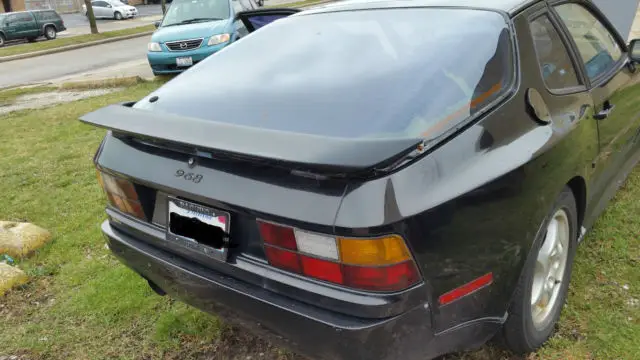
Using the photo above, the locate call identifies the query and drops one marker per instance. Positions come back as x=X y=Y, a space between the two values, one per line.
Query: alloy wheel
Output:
x=550 y=269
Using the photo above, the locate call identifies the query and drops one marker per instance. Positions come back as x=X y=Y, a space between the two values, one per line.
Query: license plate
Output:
x=197 y=227
x=184 y=61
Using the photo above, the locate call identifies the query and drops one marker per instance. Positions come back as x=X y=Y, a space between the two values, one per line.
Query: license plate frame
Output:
x=184 y=61
x=204 y=214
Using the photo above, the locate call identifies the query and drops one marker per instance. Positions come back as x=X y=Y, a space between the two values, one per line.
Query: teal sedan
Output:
x=191 y=30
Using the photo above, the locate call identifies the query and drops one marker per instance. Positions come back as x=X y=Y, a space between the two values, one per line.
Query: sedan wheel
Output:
x=117 y=16
x=544 y=283
x=1 y=40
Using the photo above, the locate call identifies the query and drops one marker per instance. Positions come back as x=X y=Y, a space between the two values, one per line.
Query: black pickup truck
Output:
x=30 y=25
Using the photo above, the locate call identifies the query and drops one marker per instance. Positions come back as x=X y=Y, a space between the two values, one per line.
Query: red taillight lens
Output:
x=322 y=269
x=381 y=264
x=386 y=278
x=278 y=235
x=121 y=194
x=283 y=259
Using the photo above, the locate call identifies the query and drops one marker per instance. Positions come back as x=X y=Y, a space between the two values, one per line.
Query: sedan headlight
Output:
x=154 y=46
x=218 y=39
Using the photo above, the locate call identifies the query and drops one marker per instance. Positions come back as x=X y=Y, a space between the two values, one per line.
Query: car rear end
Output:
x=223 y=197
x=245 y=255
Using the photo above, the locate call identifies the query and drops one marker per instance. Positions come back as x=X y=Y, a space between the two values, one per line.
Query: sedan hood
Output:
x=190 y=31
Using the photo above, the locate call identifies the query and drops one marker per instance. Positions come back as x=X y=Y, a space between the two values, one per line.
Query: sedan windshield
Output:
x=376 y=73
x=117 y=3
x=191 y=11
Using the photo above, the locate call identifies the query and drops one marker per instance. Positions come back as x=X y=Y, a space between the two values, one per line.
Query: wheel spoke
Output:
x=550 y=266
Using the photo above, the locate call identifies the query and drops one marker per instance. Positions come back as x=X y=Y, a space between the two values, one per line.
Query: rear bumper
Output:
x=316 y=332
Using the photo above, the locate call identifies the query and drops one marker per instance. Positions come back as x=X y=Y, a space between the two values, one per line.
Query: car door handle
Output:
x=604 y=113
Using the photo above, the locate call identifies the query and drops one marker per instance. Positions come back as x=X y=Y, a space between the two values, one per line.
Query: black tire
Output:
x=1 y=40
x=519 y=334
x=50 y=32
x=117 y=15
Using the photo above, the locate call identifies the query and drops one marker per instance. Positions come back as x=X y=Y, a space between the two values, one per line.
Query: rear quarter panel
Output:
x=476 y=203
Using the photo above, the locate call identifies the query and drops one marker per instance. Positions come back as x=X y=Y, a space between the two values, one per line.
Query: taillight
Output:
x=379 y=264
x=121 y=194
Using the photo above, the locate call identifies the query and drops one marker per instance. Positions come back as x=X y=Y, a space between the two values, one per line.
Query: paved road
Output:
x=49 y=67
x=121 y=58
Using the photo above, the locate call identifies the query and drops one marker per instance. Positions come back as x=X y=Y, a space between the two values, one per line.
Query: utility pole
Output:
x=92 y=18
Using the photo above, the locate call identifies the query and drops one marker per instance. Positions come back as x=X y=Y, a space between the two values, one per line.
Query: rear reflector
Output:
x=380 y=264
x=466 y=289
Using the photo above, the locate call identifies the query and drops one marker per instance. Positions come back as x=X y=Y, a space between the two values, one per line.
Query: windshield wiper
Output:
x=198 y=20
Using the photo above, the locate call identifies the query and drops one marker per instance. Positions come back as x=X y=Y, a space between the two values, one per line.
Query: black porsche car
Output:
x=381 y=182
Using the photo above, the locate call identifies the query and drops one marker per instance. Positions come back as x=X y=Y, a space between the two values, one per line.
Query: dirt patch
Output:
x=40 y=100
x=234 y=344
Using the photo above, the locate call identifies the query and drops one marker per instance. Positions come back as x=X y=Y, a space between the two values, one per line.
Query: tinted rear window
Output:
x=375 y=73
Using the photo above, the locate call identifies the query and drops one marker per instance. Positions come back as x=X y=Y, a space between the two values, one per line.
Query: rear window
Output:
x=415 y=72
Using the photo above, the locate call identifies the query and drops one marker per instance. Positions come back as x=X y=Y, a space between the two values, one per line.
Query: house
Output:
x=12 y=5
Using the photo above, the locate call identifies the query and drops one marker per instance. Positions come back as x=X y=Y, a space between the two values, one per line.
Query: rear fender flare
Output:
x=44 y=26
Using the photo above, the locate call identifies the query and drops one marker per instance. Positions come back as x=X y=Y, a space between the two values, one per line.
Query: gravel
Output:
x=35 y=101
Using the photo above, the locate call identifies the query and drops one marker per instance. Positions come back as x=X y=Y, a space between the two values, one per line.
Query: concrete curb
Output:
x=72 y=47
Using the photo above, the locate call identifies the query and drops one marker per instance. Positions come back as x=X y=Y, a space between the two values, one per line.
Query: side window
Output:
x=100 y=4
x=597 y=46
x=20 y=18
x=555 y=63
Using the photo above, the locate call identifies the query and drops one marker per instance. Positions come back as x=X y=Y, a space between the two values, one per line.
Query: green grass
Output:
x=83 y=304
x=51 y=44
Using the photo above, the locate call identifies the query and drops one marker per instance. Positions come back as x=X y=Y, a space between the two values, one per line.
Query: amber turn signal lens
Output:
x=387 y=250
x=121 y=194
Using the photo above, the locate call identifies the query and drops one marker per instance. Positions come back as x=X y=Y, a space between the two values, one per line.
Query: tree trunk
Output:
x=163 y=4
x=92 y=18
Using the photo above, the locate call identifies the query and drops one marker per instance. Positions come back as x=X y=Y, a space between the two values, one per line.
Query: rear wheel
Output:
x=544 y=284
x=117 y=15
x=50 y=33
x=1 y=40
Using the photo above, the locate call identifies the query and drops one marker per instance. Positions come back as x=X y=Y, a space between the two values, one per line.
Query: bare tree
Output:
x=91 y=16
x=163 y=4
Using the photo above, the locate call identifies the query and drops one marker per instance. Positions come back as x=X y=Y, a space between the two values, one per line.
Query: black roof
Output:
x=508 y=6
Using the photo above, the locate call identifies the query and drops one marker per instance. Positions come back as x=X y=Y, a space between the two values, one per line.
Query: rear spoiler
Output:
x=308 y=151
